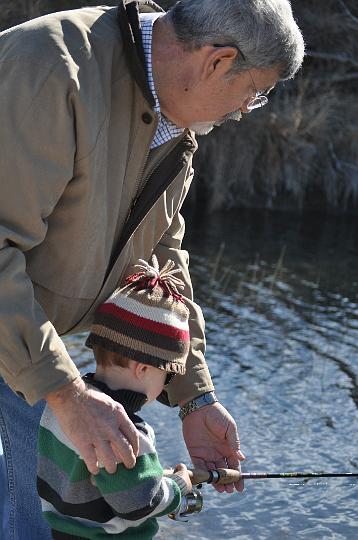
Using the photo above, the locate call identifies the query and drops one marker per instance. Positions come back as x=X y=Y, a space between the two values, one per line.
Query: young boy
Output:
x=140 y=339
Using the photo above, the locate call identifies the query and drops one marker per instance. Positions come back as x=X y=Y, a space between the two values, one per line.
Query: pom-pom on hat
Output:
x=147 y=319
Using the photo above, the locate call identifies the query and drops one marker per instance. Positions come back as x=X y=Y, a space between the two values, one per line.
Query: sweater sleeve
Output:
x=197 y=379
x=142 y=492
x=37 y=141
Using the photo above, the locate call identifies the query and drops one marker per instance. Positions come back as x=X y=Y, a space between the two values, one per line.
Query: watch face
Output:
x=206 y=399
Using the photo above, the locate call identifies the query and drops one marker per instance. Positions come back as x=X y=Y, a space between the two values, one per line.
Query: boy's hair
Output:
x=106 y=358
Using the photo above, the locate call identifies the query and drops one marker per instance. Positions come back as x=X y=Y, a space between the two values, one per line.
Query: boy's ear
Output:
x=140 y=370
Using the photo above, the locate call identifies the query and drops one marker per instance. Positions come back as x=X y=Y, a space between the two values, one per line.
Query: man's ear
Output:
x=218 y=61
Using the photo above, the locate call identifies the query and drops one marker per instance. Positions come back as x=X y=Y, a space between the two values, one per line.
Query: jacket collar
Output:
x=132 y=401
x=128 y=20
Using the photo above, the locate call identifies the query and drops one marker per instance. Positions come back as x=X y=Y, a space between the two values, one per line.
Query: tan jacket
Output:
x=81 y=195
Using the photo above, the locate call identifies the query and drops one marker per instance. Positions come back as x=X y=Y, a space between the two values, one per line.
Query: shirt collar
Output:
x=166 y=130
x=147 y=21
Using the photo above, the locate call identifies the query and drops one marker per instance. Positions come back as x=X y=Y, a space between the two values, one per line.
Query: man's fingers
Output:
x=211 y=465
x=219 y=440
x=234 y=460
x=234 y=463
x=236 y=453
x=239 y=486
x=106 y=456
x=233 y=439
x=129 y=431
x=98 y=426
x=199 y=463
x=120 y=442
x=89 y=456
x=124 y=451
x=229 y=488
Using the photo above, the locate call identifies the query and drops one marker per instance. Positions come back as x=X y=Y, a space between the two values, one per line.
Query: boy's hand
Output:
x=182 y=471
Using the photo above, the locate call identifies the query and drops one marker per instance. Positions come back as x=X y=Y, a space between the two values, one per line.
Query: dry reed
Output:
x=302 y=149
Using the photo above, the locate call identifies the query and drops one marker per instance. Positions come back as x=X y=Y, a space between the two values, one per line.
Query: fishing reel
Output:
x=192 y=503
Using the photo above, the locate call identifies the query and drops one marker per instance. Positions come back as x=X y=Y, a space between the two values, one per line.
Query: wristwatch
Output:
x=206 y=399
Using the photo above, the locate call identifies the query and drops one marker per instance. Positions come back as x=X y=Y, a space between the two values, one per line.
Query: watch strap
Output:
x=206 y=399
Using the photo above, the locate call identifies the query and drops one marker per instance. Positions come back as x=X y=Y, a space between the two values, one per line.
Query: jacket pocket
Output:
x=63 y=312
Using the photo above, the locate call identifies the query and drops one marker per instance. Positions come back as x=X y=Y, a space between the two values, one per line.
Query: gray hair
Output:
x=264 y=31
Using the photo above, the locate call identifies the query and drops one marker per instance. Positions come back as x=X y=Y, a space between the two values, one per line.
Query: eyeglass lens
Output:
x=256 y=102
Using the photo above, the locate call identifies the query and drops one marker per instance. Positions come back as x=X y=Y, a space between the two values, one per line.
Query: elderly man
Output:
x=99 y=107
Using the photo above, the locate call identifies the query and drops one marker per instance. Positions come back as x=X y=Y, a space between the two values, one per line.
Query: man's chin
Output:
x=202 y=128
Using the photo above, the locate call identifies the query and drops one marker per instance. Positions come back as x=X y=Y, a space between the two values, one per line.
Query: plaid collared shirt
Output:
x=166 y=130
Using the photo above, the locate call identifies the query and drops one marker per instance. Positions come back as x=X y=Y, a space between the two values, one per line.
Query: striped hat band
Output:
x=147 y=325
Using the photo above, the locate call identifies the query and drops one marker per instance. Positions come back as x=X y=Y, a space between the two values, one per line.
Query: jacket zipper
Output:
x=143 y=180
x=130 y=228
x=140 y=184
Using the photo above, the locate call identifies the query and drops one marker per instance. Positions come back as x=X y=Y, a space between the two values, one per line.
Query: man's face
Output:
x=227 y=98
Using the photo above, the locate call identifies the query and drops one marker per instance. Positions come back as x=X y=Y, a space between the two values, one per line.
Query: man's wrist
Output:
x=72 y=389
x=209 y=398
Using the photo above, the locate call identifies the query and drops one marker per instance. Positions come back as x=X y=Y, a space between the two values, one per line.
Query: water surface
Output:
x=279 y=294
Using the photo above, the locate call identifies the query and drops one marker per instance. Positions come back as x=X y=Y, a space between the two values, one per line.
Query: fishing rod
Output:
x=194 y=502
x=228 y=476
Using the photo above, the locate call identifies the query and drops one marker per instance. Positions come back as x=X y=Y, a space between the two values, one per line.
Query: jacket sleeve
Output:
x=142 y=492
x=37 y=149
x=197 y=379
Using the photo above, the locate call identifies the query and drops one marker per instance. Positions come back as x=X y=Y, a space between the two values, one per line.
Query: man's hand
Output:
x=97 y=425
x=212 y=441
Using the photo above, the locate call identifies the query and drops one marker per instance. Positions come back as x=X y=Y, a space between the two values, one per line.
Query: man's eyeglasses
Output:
x=260 y=99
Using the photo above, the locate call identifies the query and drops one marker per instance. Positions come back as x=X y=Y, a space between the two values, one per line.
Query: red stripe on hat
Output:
x=146 y=324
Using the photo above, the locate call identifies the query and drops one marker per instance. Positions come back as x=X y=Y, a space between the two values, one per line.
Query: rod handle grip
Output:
x=219 y=476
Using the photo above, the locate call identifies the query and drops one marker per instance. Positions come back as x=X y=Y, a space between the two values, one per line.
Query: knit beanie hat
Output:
x=147 y=319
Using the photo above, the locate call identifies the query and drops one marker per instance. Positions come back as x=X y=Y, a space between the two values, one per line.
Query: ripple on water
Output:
x=283 y=354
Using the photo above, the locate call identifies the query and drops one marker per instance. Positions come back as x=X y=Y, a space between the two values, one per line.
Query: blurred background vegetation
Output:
x=301 y=150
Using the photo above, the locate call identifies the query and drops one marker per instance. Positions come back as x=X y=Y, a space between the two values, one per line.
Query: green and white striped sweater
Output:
x=123 y=505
